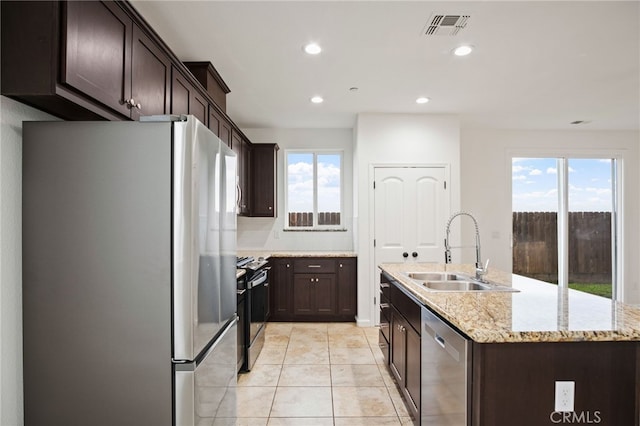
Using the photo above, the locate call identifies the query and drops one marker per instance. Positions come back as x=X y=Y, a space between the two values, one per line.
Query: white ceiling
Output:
x=536 y=64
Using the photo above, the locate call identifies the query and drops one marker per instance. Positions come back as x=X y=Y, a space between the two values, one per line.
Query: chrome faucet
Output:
x=481 y=270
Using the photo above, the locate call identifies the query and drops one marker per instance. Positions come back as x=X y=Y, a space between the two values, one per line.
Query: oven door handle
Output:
x=261 y=278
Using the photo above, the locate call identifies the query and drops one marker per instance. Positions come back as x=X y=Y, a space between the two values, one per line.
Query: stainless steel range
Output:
x=256 y=306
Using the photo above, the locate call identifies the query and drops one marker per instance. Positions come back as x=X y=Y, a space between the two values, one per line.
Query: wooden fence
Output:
x=306 y=218
x=535 y=246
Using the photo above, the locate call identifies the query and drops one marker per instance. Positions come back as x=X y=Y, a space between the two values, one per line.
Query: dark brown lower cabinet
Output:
x=404 y=360
x=514 y=383
x=314 y=294
x=313 y=289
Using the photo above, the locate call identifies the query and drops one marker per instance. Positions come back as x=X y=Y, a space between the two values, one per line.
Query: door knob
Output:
x=405 y=254
x=414 y=254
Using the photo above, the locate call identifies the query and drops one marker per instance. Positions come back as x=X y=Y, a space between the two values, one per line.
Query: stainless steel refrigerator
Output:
x=129 y=274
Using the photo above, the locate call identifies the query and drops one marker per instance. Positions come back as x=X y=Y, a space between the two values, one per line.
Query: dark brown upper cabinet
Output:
x=219 y=125
x=109 y=58
x=263 y=180
x=242 y=148
x=185 y=99
x=96 y=58
x=83 y=60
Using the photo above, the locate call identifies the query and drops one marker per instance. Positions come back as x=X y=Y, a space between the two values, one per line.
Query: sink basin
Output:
x=453 y=281
x=436 y=276
x=456 y=285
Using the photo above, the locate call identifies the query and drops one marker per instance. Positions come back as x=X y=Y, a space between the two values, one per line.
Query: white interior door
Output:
x=410 y=211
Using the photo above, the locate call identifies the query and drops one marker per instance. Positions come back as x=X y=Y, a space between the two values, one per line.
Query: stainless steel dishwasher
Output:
x=446 y=357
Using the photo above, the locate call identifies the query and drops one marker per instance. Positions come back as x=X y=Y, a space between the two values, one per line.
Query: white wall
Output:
x=486 y=184
x=396 y=139
x=267 y=233
x=11 y=116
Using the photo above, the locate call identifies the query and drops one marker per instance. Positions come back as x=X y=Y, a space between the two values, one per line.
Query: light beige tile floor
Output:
x=317 y=374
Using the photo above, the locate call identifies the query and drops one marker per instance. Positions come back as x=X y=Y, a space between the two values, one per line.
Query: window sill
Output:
x=314 y=230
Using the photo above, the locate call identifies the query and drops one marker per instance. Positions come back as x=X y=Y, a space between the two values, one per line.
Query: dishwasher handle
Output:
x=439 y=340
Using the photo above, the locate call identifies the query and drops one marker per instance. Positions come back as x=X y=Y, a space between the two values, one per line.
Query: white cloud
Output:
x=535 y=172
x=519 y=177
x=552 y=171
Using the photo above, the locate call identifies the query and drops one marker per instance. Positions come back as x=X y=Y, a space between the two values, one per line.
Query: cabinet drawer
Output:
x=407 y=307
x=385 y=308
x=314 y=265
x=384 y=286
x=385 y=323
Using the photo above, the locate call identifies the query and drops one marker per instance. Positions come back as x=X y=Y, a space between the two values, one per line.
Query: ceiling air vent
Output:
x=445 y=25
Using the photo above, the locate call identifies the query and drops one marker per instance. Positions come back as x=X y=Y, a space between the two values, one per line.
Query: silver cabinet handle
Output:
x=314 y=266
x=241 y=292
x=384 y=285
x=131 y=103
x=384 y=305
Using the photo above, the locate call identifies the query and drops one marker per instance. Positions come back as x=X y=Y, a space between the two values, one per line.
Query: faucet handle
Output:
x=481 y=270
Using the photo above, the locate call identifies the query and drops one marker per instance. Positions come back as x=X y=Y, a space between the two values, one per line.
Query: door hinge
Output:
x=374 y=300
x=445 y=184
x=374 y=184
x=374 y=242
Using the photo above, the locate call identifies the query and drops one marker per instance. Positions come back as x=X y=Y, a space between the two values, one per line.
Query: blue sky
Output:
x=535 y=182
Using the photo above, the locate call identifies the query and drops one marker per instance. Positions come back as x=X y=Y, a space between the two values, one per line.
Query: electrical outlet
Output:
x=564 y=396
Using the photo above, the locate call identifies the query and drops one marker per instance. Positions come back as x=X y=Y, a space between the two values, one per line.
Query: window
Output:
x=314 y=190
x=564 y=222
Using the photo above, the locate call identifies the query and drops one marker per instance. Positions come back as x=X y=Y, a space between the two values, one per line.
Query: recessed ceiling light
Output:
x=312 y=48
x=422 y=100
x=462 y=50
x=317 y=99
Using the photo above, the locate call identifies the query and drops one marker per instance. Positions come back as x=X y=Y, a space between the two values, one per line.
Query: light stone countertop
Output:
x=267 y=254
x=539 y=312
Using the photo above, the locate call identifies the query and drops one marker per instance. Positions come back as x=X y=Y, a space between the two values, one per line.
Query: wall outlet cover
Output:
x=565 y=392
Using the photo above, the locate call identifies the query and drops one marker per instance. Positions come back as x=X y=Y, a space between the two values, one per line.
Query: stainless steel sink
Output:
x=456 y=286
x=454 y=281
x=433 y=276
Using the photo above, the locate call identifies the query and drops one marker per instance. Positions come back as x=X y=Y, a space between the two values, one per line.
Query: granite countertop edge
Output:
x=479 y=315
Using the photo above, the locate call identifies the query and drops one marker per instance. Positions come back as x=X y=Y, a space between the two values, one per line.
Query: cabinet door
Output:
x=180 y=93
x=185 y=98
x=150 y=71
x=240 y=148
x=263 y=180
x=282 y=277
x=324 y=290
x=347 y=286
x=398 y=347
x=413 y=375
x=303 y=294
x=219 y=125
x=98 y=52
x=199 y=107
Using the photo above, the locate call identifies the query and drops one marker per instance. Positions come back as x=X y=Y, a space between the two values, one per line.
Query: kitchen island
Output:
x=519 y=345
